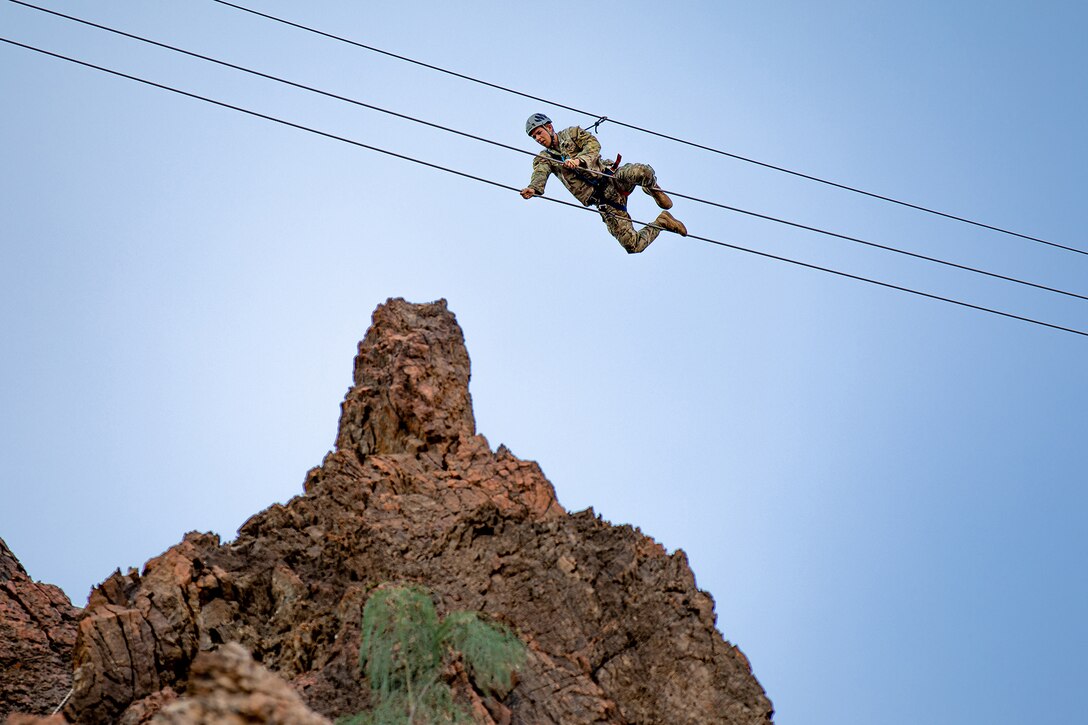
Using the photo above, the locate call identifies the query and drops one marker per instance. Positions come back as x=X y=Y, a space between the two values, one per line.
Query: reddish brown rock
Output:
x=37 y=633
x=25 y=719
x=227 y=687
x=617 y=630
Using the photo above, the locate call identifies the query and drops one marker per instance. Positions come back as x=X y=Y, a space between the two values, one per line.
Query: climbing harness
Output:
x=601 y=183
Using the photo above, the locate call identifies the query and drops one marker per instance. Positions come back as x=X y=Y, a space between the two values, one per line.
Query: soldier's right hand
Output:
x=528 y=193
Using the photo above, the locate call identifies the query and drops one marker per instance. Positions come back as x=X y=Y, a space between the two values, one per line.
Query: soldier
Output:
x=573 y=153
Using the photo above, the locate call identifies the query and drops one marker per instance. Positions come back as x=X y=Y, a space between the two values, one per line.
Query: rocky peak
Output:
x=411 y=384
x=37 y=632
x=617 y=631
x=9 y=565
x=409 y=413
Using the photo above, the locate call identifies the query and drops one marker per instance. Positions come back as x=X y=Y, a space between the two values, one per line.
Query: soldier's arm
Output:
x=541 y=170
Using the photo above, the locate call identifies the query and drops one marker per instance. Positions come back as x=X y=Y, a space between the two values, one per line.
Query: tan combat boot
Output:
x=659 y=196
x=670 y=223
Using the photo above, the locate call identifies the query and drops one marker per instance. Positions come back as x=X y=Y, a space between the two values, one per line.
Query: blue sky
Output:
x=883 y=493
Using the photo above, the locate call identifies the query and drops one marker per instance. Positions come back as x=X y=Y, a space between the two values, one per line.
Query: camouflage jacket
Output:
x=574 y=143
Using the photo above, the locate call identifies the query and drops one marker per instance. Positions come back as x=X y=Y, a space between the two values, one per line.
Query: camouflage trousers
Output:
x=616 y=218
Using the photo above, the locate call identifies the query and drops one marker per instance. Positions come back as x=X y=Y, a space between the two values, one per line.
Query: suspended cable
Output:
x=270 y=77
x=500 y=185
x=885 y=247
x=531 y=153
x=651 y=132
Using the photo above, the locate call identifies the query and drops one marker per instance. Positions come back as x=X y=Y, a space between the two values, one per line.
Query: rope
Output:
x=500 y=185
x=63 y=702
x=676 y=139
x=499 y=144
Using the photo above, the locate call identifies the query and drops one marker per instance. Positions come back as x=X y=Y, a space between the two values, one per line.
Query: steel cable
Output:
x=499 y=144
x=500 y=185
x=601 y=118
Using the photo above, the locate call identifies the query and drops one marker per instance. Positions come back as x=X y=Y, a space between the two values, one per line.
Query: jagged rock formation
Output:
x=37 y=633
x=617 y=630
x=227 y=687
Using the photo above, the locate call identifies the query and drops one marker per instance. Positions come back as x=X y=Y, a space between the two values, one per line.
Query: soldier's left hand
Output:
x=572 y=163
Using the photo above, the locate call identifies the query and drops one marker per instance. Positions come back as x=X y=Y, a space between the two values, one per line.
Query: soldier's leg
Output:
x=620 y=226
x=629 y=176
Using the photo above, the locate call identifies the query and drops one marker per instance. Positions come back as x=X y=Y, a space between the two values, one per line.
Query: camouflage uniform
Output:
x=609 y=194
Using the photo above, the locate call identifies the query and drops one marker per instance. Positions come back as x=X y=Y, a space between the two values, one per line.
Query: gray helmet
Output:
x=536 y=121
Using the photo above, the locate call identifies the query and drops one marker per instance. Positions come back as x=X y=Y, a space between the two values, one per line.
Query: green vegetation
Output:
x=406 y=650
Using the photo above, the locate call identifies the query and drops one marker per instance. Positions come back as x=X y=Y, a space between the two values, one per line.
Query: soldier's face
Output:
x=543 y=135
